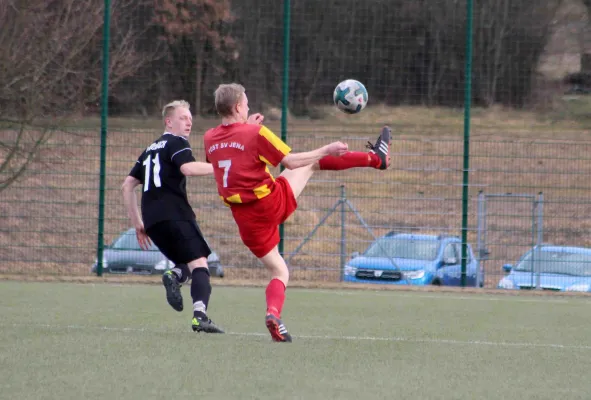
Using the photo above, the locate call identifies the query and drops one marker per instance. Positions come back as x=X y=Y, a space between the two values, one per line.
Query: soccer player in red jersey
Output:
x=241 y=149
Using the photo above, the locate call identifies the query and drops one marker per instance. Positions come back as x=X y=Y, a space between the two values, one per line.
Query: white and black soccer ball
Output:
x=350 y=96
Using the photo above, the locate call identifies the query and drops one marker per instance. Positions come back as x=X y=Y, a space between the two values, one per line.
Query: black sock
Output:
x=182 y=273
x=200 y=291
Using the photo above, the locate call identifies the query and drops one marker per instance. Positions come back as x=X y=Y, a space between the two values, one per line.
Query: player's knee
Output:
x=281 y=273
x=198 y=263
x=282 y=276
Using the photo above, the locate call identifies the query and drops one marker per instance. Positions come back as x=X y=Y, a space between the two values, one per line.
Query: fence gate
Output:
x=508 y=225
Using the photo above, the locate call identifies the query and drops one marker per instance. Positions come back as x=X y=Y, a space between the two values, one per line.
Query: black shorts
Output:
x=180 y=241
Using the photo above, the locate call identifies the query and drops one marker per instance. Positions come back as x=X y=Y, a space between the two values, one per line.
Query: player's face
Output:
x=180 y=122
x=242 y=108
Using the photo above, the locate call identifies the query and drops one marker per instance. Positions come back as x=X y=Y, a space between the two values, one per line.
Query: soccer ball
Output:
x=350 y=96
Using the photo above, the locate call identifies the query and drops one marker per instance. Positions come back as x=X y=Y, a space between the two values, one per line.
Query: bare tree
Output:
x=50 y=67
x=194 y=30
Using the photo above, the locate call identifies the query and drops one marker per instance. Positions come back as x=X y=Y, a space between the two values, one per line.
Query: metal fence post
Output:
x=104 y=117
x=285 y=93
x=343 y=233
x=539 y=233
x=480 y=250
x=467 y=104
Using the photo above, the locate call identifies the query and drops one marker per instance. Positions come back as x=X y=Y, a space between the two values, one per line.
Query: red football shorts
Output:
x=258 y=222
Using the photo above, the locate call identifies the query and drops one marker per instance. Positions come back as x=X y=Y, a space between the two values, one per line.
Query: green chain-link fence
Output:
x=528 y=134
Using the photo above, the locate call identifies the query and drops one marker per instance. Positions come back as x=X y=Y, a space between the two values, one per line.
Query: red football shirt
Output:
x=240 y=154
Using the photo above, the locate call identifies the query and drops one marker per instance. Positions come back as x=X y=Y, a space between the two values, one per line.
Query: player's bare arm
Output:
x=197 y=168
x=130 y=200
x=298 y=160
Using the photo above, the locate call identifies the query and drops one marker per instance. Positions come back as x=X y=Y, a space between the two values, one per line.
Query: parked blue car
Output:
x=413 y=259
x=547 y=267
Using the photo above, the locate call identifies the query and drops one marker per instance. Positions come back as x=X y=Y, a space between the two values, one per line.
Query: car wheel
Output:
x=437 y=282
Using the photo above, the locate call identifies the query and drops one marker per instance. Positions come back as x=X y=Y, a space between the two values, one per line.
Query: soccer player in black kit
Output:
x=167 y=219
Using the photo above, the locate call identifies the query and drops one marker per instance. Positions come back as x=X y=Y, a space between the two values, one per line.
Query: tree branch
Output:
x=50 y=66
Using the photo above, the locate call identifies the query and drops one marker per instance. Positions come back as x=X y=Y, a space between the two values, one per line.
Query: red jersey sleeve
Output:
x=271 y=148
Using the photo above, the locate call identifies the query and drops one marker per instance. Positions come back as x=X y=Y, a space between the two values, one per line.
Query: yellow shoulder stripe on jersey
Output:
x=274 y=140
x=262 y=191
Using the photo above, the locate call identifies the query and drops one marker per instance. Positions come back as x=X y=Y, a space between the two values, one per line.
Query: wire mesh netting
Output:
x=529 y=125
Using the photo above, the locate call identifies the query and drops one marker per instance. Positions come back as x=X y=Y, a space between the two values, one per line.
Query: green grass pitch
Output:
x=101 y=341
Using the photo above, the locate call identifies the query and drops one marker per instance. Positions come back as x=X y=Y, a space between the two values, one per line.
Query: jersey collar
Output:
x=168 y=133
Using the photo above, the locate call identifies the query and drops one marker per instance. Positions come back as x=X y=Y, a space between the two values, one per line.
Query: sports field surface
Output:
x=105 y=341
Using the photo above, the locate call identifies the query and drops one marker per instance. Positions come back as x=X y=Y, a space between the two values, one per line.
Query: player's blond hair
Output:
x=168 y=109
x=227 y=95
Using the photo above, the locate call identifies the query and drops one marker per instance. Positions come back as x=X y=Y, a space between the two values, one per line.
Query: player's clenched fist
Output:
x=255 y=119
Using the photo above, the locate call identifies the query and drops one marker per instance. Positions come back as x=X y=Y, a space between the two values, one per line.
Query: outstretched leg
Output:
x=298 y=178
x=378 y=157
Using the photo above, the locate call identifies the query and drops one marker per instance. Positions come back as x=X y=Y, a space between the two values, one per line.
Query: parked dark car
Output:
x=124 y=256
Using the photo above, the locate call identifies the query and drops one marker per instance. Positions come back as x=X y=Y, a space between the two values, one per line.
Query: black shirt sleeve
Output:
x=136 y=171
x=180 y=152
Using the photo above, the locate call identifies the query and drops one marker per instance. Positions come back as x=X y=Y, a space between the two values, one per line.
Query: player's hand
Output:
x=255 y=119
x=142 y=238
x=337 y=149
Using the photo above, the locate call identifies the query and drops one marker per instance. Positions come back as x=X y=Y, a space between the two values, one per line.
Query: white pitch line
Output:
x=324 y=337
x=450 y=341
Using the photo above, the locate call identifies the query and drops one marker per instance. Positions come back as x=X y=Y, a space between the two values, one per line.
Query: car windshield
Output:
x=404 y=248
x=556 y=262
x=128 y=241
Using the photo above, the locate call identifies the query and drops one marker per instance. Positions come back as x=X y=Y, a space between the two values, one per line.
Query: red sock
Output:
x=348 y=160
x=275 y=297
